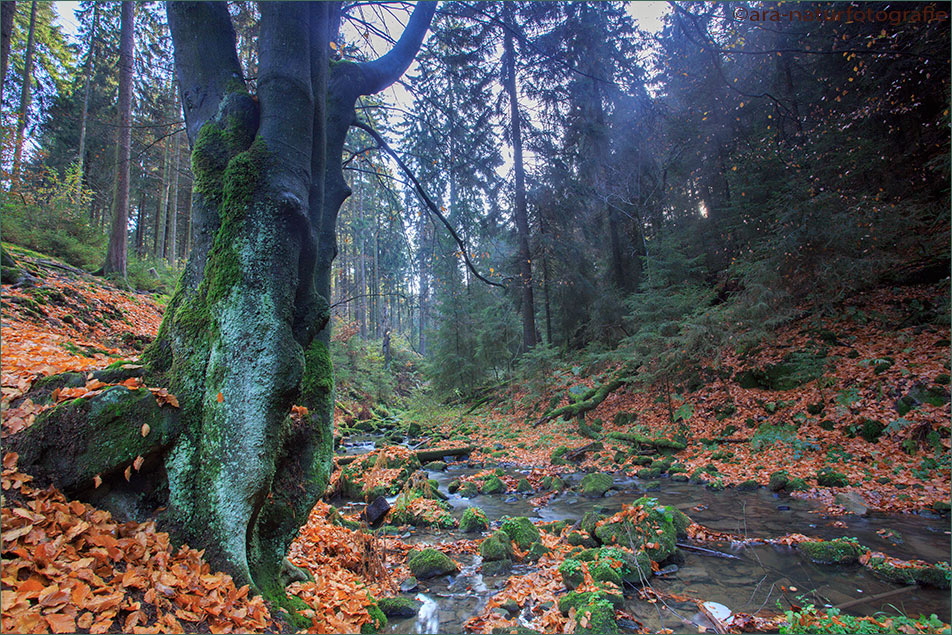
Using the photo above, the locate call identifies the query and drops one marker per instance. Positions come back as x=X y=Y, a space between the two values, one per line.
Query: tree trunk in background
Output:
x=173 y=208
x=140 y=232
x=116 y=254
x=8 y=11
x=82 y=121
x=26 y=96
x=520 y=212
x=160 y=219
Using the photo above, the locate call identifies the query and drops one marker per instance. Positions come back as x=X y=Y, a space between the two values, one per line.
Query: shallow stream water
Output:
x=746 y=584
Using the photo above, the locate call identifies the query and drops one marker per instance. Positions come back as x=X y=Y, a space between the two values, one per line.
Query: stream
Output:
x=746 y=584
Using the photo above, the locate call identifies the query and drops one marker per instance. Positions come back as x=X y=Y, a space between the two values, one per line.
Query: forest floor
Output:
x=867 y=430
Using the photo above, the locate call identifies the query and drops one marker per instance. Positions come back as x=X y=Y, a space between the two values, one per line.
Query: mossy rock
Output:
x=641 y=460
x=429 y=563
x=572 y=572
x=797 y=485
x=658 y=518
x=681 y=522
x=378 y=620
x=827 y=477
x=748 y=486
x=796 y=369
x=595 y=484
x=616 y=564
x=523 y=485
x=839 y=551
x=558 y=455
x=589 y=520
x=648 y=473
x=778 y=481
x=399 y=606
x=496 y=567
x=937 y=576
x=496 y=547
x=871 y=430
x=554 y=528
x=578 y=539
x=493 y=485
x=435 y=466
x=469 y=489
x=680 y=478
x=453 y=486
x=577 y=600
x=473 y=520
x=598 y=618
x=99 y=435
x=521 y=531
x=536 y=551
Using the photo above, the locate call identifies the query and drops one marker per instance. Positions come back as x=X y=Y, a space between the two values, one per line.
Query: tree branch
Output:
x=206 y=60
x=388 y=68
x=431 y=206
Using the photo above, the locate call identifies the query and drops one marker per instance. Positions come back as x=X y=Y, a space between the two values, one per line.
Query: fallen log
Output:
x=577 y=453
x=424 y=456
x=874 y=598
x=589 y=401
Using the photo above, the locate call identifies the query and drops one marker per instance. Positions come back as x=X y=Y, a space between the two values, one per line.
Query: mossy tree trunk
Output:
x=245 y=334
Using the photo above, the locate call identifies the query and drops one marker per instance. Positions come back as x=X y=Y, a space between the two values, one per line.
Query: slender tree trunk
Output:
x=173 y=208
x=520 y=212
x=26 y=96
x=116 y=254
x=8 y=11
x=163 y=202
x=90 y=56
x=140 y=231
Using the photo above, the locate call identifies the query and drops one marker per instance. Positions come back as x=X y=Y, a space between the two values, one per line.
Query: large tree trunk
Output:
x=521 y=215
x=239 y=343
x=26 y=96
x=117 y=252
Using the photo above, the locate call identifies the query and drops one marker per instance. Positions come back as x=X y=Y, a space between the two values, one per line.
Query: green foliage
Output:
x=769 y=434
x=811 y=620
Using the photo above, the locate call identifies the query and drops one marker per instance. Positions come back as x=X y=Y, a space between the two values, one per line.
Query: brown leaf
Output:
x=145 y=429
x=137 y=464
x=60 y=623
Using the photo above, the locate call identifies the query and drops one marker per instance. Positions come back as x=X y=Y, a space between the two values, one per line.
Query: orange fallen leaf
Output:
x=128 y=472
x=220 y=398
x=97 y=481
x=145 y=429
x=137 y=464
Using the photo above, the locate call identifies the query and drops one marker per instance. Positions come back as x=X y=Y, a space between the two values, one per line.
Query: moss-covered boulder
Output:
x=643 y=525
x=378 y=620
x=99 y=435
x=558 y=455
x=796 y=369
x=589 y=521
x=521 y=531
x=473 y=520
x=596 y=618
x=572 y=572
x=839 y=551
x=435 y=466
x=469 y=489
x=496 y=547
x=748 y=486
x=524 y=485
x=554 y=528
x=536 y=551
x=577 y=600
x=595 y=485
x=579 y=539
x=493 y=485
x=429 y=563
x=828 y=477
x=399 y=606
x=938 y=576
x=778 y=480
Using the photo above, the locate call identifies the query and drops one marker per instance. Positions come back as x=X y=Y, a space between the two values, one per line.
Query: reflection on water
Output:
x=755 y=581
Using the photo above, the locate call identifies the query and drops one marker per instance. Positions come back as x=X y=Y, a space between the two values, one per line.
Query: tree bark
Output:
x=8 y=11
x=116 y=253
x=26 y=96
x=520 y=213
x=160 y=219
